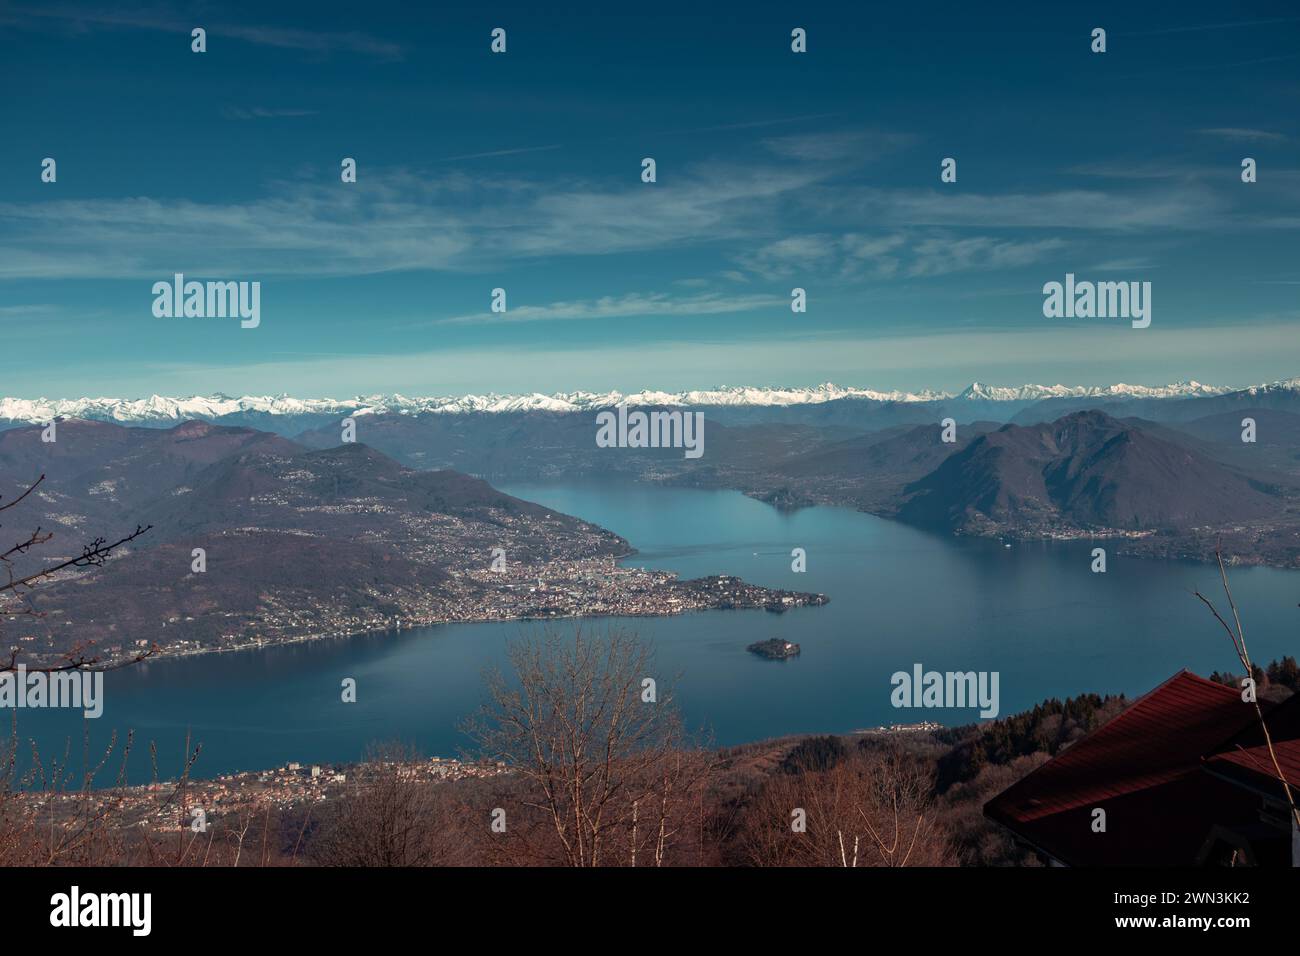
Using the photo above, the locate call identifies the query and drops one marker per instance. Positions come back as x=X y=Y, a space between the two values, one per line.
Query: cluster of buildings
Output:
x=295 y=784
x=921 y=727
x=588 y=586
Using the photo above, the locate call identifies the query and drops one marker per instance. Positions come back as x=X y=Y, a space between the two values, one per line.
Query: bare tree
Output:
x=48 y=814
x=600 y=751
x=51 y=815
x=16 y=589
x=392 y=817
x=870 y=809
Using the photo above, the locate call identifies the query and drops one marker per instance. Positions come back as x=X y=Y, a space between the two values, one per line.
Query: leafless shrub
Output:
x=612 y=777
x=874 y=808
x=392 y=818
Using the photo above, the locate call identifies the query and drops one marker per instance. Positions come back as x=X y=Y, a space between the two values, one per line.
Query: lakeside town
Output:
x=585 y=587
x=170 y=805
x=588 y=587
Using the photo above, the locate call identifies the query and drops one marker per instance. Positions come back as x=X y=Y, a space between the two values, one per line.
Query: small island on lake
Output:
x=774 y=649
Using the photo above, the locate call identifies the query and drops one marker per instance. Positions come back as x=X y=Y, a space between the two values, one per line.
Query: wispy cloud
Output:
x=1133 y=264
x=260 y=112
x=746 y=213
x=1238 y=135
x=886 y=256
x=394 y=220
x=1187 y=206
x=1142 y=170
x=318 y=42
x=498 y=152
x=633 y=304
x=838 y=146
x=22 y=311
x=823 y=254
x=942 y=255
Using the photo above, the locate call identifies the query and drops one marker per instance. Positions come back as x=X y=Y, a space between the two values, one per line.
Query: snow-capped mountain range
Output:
x=157 y=408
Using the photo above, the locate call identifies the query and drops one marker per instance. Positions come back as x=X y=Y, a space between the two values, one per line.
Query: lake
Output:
x=1035 y=613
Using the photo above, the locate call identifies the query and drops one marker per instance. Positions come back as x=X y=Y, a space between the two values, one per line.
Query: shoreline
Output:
x=802 y=599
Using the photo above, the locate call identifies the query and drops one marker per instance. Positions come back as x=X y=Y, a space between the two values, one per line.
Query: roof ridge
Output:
x=1132 y=712
x=1272 y=712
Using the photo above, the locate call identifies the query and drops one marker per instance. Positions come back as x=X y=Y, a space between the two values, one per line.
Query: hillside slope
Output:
x=1083 y=471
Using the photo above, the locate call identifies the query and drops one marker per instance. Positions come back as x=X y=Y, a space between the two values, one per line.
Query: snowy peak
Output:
x=156 y=408
x=1286 y=385
x=160 y=409
x=977 y=391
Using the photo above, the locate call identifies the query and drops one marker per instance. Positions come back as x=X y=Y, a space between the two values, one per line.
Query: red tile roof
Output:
x=1145 y=768
x=1163 y=735
x=1245 y=758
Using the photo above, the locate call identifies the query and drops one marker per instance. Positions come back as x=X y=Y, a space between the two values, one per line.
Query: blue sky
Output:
x=522 y=171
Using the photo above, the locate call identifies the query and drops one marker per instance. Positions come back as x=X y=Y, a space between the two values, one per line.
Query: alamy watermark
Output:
x=675 y=429
x=953 y=689
x=1100 y=300
x=78 y=689
x=130 y=910
x=202 y=300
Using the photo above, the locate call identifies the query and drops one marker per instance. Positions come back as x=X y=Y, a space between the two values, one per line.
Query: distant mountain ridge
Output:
x=1084 y=471
x=248 y=409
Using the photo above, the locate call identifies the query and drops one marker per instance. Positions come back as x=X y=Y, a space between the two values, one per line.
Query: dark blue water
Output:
x=1034 y=613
